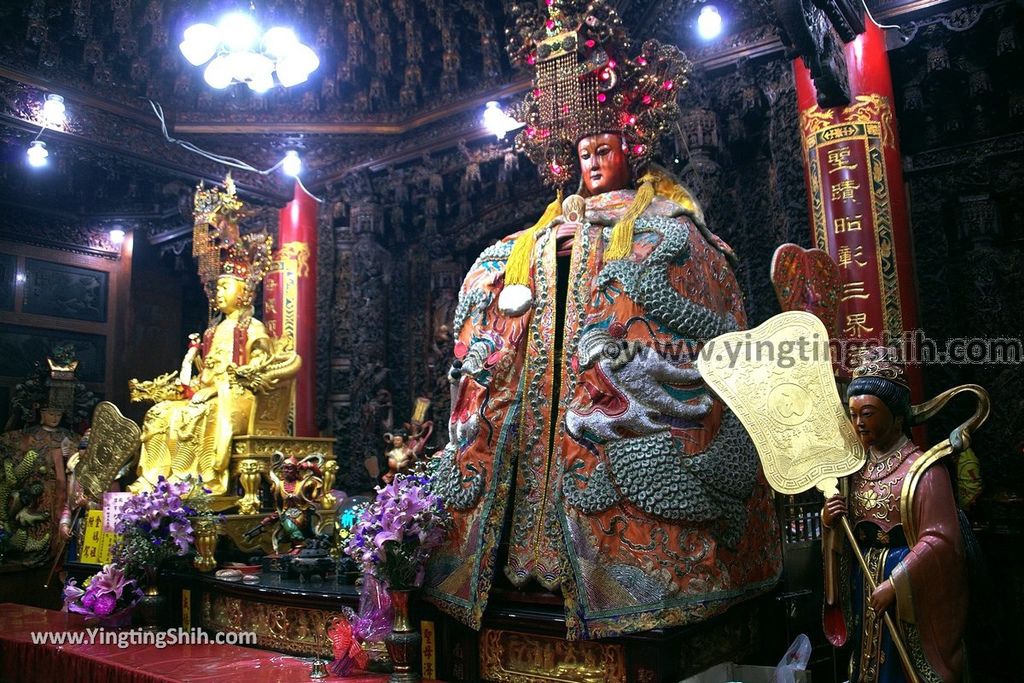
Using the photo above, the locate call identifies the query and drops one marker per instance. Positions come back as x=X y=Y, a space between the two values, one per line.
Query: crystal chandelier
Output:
x=241 y=55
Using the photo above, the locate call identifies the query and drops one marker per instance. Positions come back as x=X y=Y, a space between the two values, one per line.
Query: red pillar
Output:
x=289 y=299
x=858 y=200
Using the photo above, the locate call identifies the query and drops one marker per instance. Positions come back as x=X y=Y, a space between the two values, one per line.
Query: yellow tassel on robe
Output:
x=517 y=270
x=621 y=244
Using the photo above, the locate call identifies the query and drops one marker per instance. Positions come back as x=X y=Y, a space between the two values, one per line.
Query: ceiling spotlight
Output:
x=37 y=154
x=116 y=236
x=53 y=109
x=496 y=121
x=291 y=164
x=240 y=54
x=709 y=22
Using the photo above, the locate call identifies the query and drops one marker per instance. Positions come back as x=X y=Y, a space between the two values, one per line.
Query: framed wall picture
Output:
x=65 y=291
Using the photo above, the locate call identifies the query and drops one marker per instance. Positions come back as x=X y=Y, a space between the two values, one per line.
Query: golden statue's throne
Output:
x=268 y=432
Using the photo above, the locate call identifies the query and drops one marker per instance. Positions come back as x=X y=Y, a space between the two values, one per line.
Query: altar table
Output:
x=21 y=660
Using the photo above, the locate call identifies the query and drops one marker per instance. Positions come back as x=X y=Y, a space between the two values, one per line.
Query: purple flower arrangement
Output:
x=152 y=527
x=104 y=596
x=155 y=526
x=395 y=534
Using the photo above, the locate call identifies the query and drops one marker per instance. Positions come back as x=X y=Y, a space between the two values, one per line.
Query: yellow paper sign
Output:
x=186 y=608
x=428 y=650
x=97 y=544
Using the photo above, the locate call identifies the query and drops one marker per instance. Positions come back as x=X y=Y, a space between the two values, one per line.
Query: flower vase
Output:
x=150 y=610
x=206 y=543
x=403 y=642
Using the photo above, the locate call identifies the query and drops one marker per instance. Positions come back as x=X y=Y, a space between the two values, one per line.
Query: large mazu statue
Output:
x=234 y=366
x=611 y=472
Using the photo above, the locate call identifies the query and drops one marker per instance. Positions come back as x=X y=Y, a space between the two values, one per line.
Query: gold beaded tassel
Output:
x=204 y=247
x=587 y=110
x=560 y=99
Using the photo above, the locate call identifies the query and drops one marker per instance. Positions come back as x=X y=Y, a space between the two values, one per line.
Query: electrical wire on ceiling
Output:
x=873 y=21
x=219 y=158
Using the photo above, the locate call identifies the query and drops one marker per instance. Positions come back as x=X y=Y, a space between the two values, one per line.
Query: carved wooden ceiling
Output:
x=397 y=78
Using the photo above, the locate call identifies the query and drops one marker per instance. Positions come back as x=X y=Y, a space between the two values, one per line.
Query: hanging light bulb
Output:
x=37 y=154
x=261 y=83
x=117 y=236
x=292 y=164
x=53 y=109
x=200 y=44
x=239 y=31
x=295 y=67
x=709 y=22
x=218 y=73
x=279 y=41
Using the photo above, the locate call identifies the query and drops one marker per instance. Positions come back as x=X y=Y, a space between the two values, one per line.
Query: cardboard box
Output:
x=729 y=672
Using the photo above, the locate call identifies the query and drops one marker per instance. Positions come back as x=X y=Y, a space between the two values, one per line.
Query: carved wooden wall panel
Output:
x=58 y=298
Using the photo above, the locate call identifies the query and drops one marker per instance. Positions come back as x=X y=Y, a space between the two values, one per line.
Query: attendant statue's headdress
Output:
x=53 y=386
x=62 y=383
x=218 y=246
x=589 y=79
x=879 y=371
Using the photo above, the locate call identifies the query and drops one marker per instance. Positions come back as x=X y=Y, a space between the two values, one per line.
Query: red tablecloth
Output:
x=22 y=661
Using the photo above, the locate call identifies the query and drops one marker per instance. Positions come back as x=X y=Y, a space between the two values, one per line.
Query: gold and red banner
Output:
x=849 y=191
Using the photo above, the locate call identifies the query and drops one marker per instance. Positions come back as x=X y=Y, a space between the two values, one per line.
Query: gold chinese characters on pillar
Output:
x=850 y=205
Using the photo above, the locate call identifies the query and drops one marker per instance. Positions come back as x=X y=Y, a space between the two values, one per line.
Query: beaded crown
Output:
x=218 y=246
x=586 y=82
x=880 y=361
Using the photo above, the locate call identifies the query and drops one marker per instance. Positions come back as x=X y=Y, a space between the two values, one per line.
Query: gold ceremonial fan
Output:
x=113 y=442
x=777 y=379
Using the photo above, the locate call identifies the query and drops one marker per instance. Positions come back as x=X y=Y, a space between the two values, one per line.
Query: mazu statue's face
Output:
x=603 y=163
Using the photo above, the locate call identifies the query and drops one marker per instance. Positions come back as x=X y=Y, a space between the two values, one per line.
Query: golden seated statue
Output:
x=222 y=416
x=243 y=387
x=199 y=410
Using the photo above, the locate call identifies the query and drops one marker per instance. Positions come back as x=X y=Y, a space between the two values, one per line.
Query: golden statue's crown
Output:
x=218 y=246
